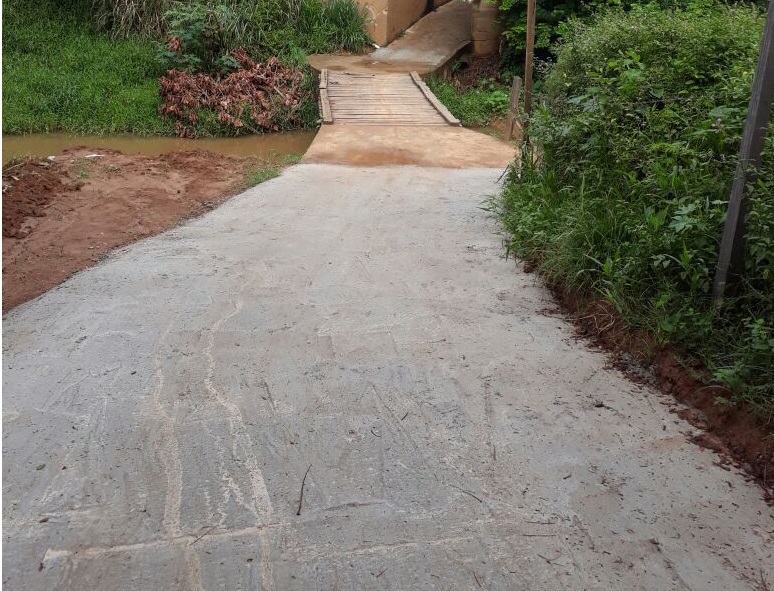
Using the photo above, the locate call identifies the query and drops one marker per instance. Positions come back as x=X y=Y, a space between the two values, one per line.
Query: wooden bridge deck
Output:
x=380 y=99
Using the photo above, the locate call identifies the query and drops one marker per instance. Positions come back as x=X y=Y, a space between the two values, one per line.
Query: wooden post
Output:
x=732 y=247
x=530 y=53
x=513 y=108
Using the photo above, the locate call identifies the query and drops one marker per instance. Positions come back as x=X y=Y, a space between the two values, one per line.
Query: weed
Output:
x=261 y=171
x=475 y=107
x=112 y=169
x=83 y=169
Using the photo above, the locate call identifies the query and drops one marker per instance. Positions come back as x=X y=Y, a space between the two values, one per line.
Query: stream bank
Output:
x=64 y=213
x=262 y=146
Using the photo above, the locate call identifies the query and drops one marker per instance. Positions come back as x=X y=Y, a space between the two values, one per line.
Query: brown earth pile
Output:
x=63 y=215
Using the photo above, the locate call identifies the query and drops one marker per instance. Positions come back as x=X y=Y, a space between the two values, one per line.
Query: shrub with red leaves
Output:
x=256 y=97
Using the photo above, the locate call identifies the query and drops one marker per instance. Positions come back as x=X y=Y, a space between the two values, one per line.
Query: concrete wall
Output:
x=403 y=14
x=389 y=18
x=485 y=30
x=377 y=11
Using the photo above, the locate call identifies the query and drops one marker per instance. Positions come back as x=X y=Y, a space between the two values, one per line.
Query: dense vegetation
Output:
x=549 y=20
x=91 y=66
x=476 y=106
x=625 y=193
x=551 y=23
x=287 y=29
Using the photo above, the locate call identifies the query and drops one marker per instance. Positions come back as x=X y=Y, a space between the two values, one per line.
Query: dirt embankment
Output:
x=740 y=437
x=62 y=215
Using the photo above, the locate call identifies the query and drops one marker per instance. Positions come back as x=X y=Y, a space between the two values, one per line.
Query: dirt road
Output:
x=162 y=408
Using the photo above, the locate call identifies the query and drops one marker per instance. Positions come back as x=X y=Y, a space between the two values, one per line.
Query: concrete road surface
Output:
x=161 y=409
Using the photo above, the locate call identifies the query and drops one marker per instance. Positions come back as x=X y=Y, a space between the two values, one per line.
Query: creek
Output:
x=271 y=145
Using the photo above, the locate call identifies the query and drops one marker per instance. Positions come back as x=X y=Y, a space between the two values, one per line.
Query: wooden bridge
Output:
x=380 y=99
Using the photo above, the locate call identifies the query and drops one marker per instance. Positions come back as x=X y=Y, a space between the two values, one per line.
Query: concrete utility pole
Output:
x=530 y=53
x=732 y=247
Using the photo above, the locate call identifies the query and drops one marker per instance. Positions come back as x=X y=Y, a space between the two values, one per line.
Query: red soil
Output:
x=62 y=215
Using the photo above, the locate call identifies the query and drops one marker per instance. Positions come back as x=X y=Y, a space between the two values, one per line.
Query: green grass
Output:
x=476 y=107
x=265 y=170
x=61 y=75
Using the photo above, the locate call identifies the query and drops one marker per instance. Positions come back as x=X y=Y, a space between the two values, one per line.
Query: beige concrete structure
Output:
x=389 y=18
x=425 y=47
x=485 y=30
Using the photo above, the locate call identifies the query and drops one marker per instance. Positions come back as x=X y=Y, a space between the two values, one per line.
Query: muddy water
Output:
x=262 y=146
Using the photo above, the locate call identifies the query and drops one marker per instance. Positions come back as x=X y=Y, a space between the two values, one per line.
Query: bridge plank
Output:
x=380 y=99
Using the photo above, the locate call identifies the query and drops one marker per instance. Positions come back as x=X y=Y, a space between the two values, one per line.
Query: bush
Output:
x=200 y=36
x=255 y=97
x=638 y=127
x=551 y=22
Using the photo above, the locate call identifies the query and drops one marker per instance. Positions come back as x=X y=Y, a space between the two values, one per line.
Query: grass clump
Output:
x=476 y=106
x=292 y=29
x=638 y=128
x=61 y=75
x=264 y=170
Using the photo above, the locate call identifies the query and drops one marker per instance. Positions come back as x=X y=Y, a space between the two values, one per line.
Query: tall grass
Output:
x=288 y=29
x=127 y=18
x=639 y=127
x=476 y=106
